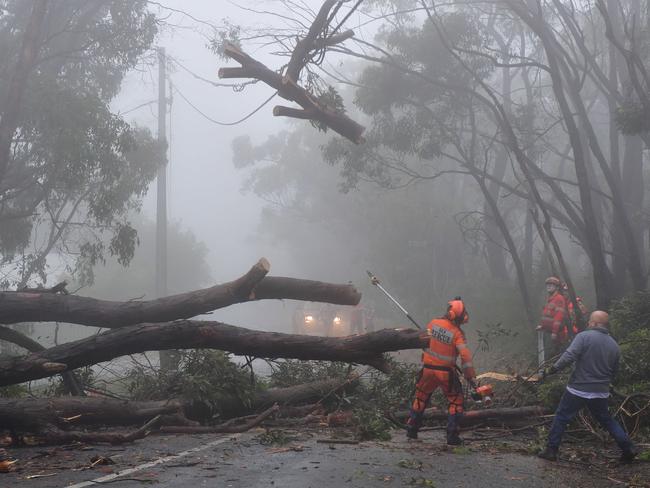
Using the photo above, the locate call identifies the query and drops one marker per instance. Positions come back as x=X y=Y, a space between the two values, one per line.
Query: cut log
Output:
x=474 y=416
x=255 y=285
x=34 y=414
x=288 y=89
x=186 y=334
x=57 y=437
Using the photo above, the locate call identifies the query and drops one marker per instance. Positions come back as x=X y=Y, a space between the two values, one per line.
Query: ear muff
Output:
x=456 y=311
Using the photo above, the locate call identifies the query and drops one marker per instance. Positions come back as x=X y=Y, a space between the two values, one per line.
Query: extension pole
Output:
x=375 y=281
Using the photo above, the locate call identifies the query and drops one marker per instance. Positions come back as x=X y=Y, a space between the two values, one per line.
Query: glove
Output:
x=548 y=372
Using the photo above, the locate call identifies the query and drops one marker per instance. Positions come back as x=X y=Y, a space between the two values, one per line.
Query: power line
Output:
x=234 y=86
x=207 y=117
x=151 y=102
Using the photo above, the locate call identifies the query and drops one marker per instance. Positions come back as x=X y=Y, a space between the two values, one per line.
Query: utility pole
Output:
x=161 y=200
x=168 y=359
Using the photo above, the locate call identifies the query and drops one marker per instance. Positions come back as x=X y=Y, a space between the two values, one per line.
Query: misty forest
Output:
x=325 y=243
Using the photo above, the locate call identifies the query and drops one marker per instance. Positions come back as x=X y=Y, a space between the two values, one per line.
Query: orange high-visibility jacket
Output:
x=446 y=343
x=554 y=313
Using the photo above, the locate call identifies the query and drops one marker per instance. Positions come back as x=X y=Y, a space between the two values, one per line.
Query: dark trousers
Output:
x=571 y=404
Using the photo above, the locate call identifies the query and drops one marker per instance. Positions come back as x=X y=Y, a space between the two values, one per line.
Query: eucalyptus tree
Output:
x=71 y=170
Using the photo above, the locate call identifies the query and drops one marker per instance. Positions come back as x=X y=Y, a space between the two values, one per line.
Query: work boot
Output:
x=628 y=456
x=453 y=429
x=413 y=424
x=411 y=432
x=550 y=453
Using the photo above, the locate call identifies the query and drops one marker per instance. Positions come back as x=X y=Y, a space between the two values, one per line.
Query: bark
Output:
x=225 y=428
x=55 y=436
x=36 y=414
x=11 y=105
x=70 y=381
x=39 y=307
x=288 y=89
x=475 y=416
x=185 y=334
x=63 y=412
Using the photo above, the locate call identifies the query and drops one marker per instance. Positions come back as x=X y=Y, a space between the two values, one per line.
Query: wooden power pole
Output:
x=168 y=359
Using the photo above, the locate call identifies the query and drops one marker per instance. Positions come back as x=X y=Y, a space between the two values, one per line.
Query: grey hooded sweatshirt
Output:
x=596 y=355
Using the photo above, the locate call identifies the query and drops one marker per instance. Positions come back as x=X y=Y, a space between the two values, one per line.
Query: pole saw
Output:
x=479 y=393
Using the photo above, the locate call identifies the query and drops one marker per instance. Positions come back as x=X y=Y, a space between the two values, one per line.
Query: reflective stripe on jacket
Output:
x=554 y=313
x=446 y=343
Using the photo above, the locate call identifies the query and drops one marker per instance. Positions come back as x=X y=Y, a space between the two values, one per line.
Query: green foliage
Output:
x=13 y=391
x=56 y=387
x=630 y=325
x=330 y=99
x=389 y=392
x=75 y=160
x=550 y=392
x=274 y=437
x=493 y=332
x=292 y=372
x=633 y=118
x=371 y=424
x=205 y=376
x=410 y=464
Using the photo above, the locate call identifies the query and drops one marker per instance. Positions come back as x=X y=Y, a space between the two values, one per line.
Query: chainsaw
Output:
x=480 y=394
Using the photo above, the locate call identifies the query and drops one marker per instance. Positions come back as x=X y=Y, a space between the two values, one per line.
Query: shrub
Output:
x=207 y=377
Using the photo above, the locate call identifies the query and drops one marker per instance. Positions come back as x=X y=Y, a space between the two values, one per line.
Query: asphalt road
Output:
x=304 y=461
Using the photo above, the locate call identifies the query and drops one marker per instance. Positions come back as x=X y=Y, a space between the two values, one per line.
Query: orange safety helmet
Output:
x=456 y=311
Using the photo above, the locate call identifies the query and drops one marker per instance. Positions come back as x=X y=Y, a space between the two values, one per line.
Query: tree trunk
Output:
x=35 y=414
x=48 y=307
x=475 y=416
x=186 y=334
x=11 y=105
x=70 y=381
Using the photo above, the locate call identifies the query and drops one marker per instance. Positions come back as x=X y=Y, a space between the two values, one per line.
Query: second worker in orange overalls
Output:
x=447 y=342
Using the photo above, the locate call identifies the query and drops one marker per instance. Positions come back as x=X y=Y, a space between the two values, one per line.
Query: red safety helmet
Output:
x=456 y=311
x=553 y=280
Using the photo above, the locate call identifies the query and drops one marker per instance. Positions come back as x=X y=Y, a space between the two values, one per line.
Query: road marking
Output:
x=150 y=464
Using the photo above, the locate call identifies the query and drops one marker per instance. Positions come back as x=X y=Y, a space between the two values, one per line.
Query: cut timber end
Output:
x=54 y=367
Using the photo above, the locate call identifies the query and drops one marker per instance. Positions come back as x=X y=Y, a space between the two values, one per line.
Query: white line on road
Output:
x=150 y=464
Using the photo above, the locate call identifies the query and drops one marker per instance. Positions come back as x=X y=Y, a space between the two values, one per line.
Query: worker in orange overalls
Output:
x=439 y=370
x=555 y=312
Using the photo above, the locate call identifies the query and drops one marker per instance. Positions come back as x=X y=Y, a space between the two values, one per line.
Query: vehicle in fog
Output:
x=325 y=319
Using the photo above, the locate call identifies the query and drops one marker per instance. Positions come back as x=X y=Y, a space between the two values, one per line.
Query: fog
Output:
x=479 y=174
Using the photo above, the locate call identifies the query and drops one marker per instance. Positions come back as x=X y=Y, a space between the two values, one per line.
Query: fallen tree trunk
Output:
x=35 y=413
x=70 y=381
x=44 y=306
x=474 y=416
x=57 y=437
x=186 y=334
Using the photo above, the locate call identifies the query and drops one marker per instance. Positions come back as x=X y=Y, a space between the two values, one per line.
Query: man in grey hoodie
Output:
x=596 y=356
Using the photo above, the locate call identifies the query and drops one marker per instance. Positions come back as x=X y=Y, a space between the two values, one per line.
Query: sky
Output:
x=203 y=185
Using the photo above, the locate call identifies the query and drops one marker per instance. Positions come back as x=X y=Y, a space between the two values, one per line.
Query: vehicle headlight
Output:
x=309 y=319
x=337 y=321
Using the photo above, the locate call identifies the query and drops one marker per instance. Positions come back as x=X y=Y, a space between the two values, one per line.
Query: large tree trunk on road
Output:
x=33 y=306
x=34 y=414
x=186 y=334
